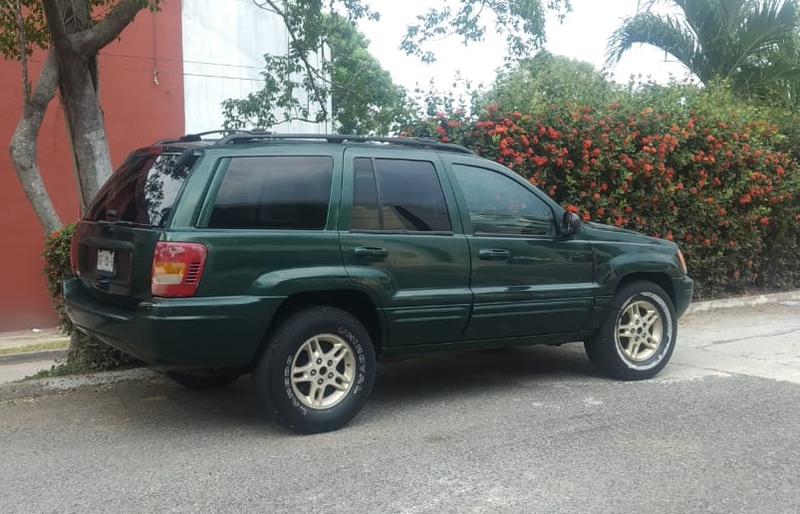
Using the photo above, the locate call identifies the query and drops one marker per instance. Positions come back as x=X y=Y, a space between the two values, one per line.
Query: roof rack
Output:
x=416 y=142
x=197 y=137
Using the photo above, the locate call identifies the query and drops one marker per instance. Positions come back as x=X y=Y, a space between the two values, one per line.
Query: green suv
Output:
x=302 y=258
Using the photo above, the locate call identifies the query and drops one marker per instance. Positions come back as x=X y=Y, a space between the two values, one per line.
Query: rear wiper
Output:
x=121 y=223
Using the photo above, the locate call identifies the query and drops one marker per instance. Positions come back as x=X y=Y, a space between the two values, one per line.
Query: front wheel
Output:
x=318 y=369
x=638 y=337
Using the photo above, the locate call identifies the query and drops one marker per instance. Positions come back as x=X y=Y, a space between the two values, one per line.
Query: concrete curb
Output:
x=743 y=301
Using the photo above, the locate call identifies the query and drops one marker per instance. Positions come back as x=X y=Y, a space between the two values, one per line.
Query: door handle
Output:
x=494 y=254
x=371 y=251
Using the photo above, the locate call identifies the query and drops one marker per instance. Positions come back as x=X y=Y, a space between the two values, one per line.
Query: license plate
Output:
x=105 y=261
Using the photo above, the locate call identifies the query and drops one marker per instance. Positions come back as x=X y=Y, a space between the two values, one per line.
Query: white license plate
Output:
x=105 y=261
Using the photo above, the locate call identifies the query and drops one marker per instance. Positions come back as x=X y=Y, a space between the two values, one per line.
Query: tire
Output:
x=202 y=382
x=295 y=398
x=623 y=348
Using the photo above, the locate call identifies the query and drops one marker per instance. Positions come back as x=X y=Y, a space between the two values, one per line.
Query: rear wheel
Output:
x=638 y=337
x=318 y=369
x=202 y=382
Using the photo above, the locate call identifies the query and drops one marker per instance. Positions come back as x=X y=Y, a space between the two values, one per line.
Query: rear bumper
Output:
x=684 y=289
x=216 y=332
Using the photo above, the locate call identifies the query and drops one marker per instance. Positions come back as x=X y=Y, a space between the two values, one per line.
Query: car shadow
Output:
x=451 y=374
x=402 y=383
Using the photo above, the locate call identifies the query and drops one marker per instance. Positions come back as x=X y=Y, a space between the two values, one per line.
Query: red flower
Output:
x=540 y=161
x=764 y=221
x=744 y=200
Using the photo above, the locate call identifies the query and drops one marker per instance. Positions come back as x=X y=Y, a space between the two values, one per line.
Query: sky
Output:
x=582 y=35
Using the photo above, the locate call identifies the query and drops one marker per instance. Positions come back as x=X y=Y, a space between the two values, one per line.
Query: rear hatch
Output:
x=115 y=242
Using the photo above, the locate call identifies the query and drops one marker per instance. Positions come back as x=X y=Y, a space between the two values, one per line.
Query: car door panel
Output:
x=421 y=279
x=543 y=287
x=526 y=282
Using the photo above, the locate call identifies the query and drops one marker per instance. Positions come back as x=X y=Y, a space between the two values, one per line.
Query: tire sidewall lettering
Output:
x=356 y=346
x=661 y=305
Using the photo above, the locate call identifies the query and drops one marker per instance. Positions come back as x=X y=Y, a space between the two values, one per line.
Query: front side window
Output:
x=274 y=193
x=398 y=195
x=499 y=205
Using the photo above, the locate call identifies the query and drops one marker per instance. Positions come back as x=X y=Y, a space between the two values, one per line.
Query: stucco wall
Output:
x=224 y=43
x=137 y=110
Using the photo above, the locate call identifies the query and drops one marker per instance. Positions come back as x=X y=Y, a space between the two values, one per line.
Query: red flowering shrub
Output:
x=692 y=166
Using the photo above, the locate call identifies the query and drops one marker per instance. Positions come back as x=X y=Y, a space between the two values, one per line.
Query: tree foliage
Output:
x=754 y=44
x=364 y=99
x=299 y=85
x=522 y=22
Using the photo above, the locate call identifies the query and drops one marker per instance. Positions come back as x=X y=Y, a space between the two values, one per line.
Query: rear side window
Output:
x=274 y=193
x=398 y=195
x=143 y=190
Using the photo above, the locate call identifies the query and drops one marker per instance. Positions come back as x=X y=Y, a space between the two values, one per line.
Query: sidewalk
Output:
x=25 y=353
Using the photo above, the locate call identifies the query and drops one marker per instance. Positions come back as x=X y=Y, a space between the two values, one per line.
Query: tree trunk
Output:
x=23 y=147
x=78 y=85
x=80 y=98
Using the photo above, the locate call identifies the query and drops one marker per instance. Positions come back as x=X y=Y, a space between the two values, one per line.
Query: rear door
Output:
x=527 y=281
x=117 y=237
x=401 y=239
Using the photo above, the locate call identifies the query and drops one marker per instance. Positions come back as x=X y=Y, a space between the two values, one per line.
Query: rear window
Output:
x=274 y=193
x=143 y=190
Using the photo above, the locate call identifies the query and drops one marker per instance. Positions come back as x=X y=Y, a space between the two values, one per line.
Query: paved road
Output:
x=523 y=430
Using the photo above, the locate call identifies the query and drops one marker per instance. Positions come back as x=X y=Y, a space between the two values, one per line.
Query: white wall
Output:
x=224 y=42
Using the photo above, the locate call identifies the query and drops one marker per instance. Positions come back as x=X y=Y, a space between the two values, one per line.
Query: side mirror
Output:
x=570 y=224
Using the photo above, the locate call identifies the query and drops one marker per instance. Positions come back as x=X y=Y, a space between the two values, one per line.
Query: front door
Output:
x=526 y=280
x=401 y=239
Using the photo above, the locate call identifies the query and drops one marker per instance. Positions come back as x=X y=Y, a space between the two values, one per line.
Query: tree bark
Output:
x=23 y=147
x=76 y=41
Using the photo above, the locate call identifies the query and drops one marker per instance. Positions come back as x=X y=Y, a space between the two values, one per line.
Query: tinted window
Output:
x=398 y=195
x=500 y=205
x=365 y=213
x=274 y=192
x=143 y=190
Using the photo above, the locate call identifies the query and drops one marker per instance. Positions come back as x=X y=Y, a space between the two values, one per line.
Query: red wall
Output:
x=137 y=112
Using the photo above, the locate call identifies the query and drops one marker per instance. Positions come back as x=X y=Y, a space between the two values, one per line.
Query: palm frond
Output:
x=767 y=28
x=666 y=32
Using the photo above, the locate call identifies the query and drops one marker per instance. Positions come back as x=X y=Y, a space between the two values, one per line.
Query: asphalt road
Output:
x=531 y=429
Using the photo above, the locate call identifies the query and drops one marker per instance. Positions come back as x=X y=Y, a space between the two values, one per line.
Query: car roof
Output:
x=249 y=139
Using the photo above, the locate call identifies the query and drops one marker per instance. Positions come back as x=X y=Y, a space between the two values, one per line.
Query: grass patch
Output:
x=59 y=344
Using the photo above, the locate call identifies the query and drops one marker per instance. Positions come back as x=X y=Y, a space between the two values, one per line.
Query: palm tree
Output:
x=755 y=44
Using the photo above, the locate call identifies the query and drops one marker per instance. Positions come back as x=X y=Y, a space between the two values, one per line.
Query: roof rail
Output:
x=198 y=136
x=416 y=142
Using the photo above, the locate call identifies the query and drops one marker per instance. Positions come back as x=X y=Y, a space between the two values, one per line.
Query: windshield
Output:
x=143 y=190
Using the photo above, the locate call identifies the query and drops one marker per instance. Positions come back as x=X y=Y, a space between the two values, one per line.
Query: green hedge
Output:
x=690 y=165
x=85 y=354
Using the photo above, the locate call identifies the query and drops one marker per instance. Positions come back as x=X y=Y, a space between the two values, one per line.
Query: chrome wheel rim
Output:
x=640 y=331
x=322 y=371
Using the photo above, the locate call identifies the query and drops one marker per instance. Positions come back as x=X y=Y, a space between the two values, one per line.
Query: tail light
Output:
x=73 y=254
x=177 y=269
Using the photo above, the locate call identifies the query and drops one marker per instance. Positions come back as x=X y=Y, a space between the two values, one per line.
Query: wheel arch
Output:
x=357 y=302
x=661 y=279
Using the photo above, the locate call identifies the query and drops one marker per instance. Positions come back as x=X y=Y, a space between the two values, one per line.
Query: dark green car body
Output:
x=413 y=291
